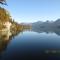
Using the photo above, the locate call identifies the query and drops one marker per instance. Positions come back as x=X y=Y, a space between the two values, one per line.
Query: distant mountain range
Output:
x=26 y=24
x=48 y=27
x=47 y=24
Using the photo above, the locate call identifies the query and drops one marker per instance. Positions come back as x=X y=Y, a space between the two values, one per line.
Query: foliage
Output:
x=5 y=17
x=3 y=2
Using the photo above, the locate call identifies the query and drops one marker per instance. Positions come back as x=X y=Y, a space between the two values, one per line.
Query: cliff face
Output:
x=6 y=21
x=4 y=17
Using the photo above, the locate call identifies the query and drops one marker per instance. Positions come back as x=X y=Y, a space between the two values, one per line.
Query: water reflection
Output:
x=47 y=30
x=6 y=36
x=4 y=39
x=29 y=42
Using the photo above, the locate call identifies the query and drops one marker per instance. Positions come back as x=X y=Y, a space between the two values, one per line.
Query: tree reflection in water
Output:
x=6 y=36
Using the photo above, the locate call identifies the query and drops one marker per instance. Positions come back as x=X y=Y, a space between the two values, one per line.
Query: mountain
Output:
x=6 y=21
x=25 y=24
x=48 y=27
x=47 y=24
x=4 y=17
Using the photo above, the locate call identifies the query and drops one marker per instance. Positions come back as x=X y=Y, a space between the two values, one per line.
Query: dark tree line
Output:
x=3 y=2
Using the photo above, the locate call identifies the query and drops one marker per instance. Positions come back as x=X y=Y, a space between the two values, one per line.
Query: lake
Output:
x=30 y=45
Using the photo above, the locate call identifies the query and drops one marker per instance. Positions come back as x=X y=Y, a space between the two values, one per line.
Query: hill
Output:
x=47 y=24
x=6 y=21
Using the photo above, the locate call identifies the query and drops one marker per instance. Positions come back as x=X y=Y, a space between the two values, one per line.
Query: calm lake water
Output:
x=30 y=45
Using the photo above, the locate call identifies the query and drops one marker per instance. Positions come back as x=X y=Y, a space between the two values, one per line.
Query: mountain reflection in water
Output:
x=47 y=30
x=29 y=43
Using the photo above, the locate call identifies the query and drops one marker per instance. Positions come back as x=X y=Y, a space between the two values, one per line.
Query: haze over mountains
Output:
x=48 y=26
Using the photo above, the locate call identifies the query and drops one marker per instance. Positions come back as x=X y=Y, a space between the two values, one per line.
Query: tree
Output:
x=3 y=2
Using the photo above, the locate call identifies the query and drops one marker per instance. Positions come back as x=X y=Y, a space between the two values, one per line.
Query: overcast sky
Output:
x=33 y=10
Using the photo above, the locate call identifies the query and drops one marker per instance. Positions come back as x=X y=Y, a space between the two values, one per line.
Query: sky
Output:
x=33 y=10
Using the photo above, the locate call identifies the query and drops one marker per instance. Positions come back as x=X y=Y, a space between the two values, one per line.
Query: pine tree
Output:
x=3 y=2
